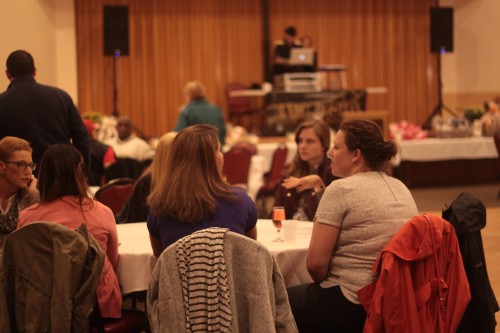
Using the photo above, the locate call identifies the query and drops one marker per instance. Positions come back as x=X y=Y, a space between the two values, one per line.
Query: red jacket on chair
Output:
x=406 y=296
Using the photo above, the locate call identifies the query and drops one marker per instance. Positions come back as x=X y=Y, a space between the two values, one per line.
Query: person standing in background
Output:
x=282 y=50
x=199 y=111
x=40 y=114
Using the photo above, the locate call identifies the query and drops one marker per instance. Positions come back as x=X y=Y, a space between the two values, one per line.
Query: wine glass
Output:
x=278 y=217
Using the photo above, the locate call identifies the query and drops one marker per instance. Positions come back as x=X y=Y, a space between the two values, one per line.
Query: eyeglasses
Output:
x=21 y=165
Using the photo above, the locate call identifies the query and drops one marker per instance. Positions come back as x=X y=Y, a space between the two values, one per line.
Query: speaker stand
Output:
x=116 y=55
x=438 y=109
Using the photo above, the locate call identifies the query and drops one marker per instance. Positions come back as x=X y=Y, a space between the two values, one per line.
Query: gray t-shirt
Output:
x=368 y=208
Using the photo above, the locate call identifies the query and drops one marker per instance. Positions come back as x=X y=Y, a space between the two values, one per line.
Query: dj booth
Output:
x=285 y=110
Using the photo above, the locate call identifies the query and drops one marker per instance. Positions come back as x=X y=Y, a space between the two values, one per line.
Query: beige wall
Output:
x=46 y=29
x=471 y=74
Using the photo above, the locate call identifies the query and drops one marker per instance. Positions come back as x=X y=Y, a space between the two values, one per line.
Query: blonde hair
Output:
x=161 y=157
x=191 y=183
x=10 y=144
x=195 y=90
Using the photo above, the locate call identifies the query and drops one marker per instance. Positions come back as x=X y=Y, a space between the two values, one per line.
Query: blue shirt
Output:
x=238 y=217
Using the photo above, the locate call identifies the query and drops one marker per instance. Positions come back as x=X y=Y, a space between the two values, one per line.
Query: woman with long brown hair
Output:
x=308 y=174
x=64 y=199
x=192 y=195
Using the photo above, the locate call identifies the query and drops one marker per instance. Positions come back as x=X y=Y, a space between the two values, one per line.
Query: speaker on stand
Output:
x=115 y=41
x=441 y=43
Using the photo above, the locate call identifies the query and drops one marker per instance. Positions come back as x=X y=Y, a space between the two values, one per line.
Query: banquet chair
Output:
x=240 y=106
x=124 y=168
x=237 y=163
x=132 y=321
x=421 y=283
x=215 y=280
x=48 y=278
x=467 y=214
x=115 y=193
x=272 y=179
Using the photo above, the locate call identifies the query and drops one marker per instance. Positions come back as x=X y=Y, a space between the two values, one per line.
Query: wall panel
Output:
x=381 y=42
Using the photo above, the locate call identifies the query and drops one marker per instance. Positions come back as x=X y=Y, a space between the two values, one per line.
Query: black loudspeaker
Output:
x=441 y=29
x=116 y=30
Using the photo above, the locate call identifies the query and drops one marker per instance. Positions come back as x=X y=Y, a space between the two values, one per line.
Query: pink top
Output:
x=100 y=224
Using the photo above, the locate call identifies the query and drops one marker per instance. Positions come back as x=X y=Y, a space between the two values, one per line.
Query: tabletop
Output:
x=136 y=259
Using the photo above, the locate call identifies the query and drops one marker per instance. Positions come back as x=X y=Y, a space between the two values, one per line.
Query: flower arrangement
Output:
x=473 y=113
x=93 y=116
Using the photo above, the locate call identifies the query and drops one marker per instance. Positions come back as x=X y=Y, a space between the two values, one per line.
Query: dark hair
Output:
x=20 y=63
x=366 y=136
x=291 y=31
x=297 y=167
x=61 y=173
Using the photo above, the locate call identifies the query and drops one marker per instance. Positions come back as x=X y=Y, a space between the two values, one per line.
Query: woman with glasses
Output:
x=64 y=199
x=17 y=184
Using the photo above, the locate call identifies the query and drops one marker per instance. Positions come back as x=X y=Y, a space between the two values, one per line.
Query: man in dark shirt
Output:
x=41 y=114
x=282 y=50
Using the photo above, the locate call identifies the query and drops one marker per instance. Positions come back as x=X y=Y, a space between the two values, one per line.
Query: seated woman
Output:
x=191 y=194
x=307 y=175
x=17 y=184
x=64 y=199
x=356 y=217
x=136 y=208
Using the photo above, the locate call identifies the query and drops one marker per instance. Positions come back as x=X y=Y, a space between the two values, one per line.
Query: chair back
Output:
x=423 y=258
x=48 y=278
x=273 y=177
x=115 y=193
x=237 y=104
x=124 y=168
x=237 y=286
x=237 y=163
x=467 y=214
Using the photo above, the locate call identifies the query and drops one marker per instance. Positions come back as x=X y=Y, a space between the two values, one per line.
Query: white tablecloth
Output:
x=136 y=260
x=434 y=149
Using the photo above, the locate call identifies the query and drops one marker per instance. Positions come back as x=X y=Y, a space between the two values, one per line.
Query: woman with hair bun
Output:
x=356 y=217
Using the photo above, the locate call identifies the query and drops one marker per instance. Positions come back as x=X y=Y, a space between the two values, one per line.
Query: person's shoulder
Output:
x=28 y=210
x=52 y=89
x=100 y=207
x=240 y=193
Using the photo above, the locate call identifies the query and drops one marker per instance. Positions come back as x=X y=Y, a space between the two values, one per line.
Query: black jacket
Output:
x=42 y=115
x=467 y=214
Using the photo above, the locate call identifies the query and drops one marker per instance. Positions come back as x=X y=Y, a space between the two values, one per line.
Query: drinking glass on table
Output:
x=278 y=217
